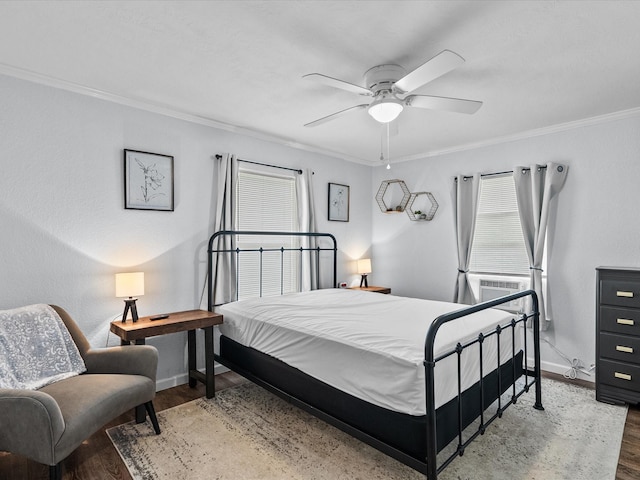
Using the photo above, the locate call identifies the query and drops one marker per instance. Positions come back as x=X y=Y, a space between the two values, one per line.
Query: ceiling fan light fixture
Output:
x=392 y=88
x=385 y=109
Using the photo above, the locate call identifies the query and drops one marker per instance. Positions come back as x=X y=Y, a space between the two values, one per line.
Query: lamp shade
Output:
x=364 y=266
x=129 y=284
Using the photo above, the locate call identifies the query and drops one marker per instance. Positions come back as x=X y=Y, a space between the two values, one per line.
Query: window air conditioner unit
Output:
x=492 y=289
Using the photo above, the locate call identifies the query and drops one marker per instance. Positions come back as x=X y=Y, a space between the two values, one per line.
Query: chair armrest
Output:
x=32 y=424
x=129 y=360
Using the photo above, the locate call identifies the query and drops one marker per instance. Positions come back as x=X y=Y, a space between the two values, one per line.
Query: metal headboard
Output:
x=221 y=247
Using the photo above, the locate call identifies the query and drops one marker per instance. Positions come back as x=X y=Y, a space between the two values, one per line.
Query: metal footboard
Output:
x=532 y=377
x=222 y=243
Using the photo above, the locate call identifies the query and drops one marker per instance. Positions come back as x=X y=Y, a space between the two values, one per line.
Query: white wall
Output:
x=65 y=232
x=595 y=222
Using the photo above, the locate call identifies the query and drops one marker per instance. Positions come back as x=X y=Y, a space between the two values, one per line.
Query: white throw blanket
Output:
x=36 y=348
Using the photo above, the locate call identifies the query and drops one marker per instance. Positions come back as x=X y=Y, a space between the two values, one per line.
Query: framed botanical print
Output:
x=148 y=181
x=338 y=202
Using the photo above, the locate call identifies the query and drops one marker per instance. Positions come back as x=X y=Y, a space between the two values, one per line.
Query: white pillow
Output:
x=36 y=348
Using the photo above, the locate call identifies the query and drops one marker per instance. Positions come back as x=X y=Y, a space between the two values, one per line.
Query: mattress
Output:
x=367 y=344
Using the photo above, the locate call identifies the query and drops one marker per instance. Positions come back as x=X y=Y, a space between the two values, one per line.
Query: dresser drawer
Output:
x=625 y=293
x=620 y=347
x=620 y=320
x=619 y=374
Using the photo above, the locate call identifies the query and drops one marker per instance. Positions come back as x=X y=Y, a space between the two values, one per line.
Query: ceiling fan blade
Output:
x=442 y=63
x=335 y=83
x=458 y=105
x=333 y=116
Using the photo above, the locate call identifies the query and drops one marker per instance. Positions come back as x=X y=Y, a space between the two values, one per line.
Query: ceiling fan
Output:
x=391 y=87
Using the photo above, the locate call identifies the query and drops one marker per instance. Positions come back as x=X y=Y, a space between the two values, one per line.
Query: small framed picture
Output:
x=338 y=202
x=148 y=181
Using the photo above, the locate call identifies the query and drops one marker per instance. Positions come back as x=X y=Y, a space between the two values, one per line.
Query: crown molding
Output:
x=561 y=127
x=165 y=110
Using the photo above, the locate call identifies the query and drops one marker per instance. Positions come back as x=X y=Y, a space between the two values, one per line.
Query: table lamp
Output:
x=130 y=285
x=364 y=267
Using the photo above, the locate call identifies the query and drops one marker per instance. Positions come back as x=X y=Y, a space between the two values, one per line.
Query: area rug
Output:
x=247 y=433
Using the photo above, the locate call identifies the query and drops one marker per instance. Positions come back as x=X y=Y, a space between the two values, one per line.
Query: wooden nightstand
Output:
x=372 y=289
x=175 y=322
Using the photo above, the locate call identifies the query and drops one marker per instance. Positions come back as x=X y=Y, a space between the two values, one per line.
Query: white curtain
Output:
x=307 y=223
x=536 y=186
x=223 y=218
x=466 y=204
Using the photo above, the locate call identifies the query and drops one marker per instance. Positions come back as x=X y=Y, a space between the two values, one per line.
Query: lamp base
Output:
x=130 y=303
x=363 y=280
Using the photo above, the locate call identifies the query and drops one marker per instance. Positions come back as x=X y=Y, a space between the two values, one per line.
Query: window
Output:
x=266 y=203
x=498 y=244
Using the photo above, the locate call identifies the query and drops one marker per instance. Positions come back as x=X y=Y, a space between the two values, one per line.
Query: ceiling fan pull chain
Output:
x=388 y=155
x=381 y=145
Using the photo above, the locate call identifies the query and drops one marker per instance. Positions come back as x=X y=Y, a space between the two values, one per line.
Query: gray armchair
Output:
x=46 y=425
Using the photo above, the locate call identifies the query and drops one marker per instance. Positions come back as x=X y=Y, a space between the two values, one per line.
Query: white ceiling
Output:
x=239 y=64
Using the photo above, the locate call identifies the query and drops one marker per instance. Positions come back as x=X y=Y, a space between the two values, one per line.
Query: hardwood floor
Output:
x=629 y=461
x=97 y=459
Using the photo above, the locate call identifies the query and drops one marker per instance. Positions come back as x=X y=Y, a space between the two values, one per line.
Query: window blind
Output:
x=266 y=203
x=498 y=243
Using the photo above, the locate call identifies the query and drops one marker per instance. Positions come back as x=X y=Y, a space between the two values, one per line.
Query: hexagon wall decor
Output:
x=424 y=215
x=402 y=205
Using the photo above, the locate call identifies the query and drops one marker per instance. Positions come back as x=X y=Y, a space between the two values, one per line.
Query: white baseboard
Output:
x=562 y=369
x=164 y=383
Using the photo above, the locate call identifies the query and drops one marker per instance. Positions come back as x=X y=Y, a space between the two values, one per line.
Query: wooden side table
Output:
x=175 y=322
x=372 y=289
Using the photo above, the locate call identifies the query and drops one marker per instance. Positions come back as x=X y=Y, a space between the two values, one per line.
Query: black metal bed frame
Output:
x=429 y=466
x=233 y=233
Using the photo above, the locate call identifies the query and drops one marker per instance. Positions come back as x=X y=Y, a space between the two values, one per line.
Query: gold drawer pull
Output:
x=622 y=376
x=624 y=294
x=624 y=321
x=624 y=349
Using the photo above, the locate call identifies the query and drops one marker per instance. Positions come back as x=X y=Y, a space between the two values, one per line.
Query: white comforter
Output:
x=366 y=344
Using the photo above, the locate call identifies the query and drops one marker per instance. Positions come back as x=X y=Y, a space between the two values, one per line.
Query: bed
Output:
x=416 y=379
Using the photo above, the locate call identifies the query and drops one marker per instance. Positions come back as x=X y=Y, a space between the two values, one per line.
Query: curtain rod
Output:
x=526 y=169
x=218 y=156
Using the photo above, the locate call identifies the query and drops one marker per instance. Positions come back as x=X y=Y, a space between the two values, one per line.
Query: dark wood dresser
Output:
x=618 y=335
